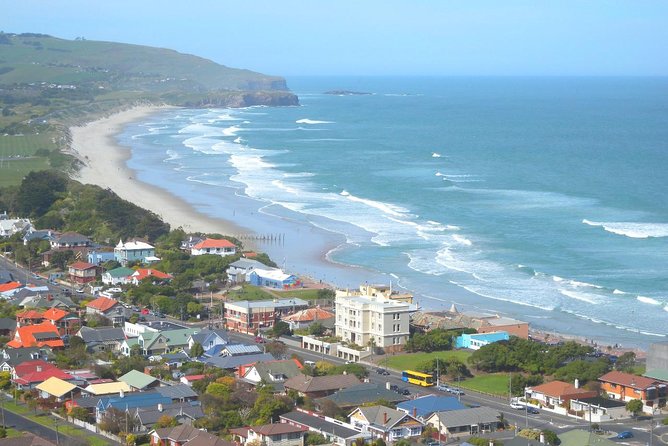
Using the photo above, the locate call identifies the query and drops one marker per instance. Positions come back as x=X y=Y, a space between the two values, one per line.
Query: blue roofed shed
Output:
x=129 y=401
x=476 y=340
x=426 y=405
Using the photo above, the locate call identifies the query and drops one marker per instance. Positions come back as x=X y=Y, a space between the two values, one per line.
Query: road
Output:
x=24 y=424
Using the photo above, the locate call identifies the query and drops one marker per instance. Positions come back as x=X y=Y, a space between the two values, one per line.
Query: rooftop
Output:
x=214 y=243
x=138 y=380
x=306 y=384
x=558 y=388
x=102 y=304
x=628 y=380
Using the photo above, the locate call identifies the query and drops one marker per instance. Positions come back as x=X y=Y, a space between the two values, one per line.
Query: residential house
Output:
x=192 y=240
x=183 y=413
x=239 y=271
x=185 y=435
x=383 y=422
x=128 y=402
x=189 y=380
x=278 y=434
x=7 y=327
x=139 y=382
x=239 y=350
x=476 y=340
x=29 y=317
x=134 y=251
x=29 y=374
x=117 y=276
x=272 y=373
x=598 y=409
x=273 y=278
x=335 y=431
x=134 y=330
x=40 y=297
x=209 y=339
x=38 y=335
x=319 y=386
x=220 y=247
x=153 y=343
x=470 y=421
x=422 y=407
x=626 y=387
x=8 y=289
x=102 y=339
x=377 y=321
x=304 y=318
x=98 y=256
x=57 y=388
x=11 y=226
x=66 y=322
x=249 y=316
x=81 y=272
x=359 y=394
x=107 y=388
x=555 y=396
x=11 y=357
x=38 y=234
x=72 y=241
x=234 y=362
x=154 y=275
x=107 y=307
x=178 y=393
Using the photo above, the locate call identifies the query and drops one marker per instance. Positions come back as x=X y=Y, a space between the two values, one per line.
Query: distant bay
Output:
x=540 y=198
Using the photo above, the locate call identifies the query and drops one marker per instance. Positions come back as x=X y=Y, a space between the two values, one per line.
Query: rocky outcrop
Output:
x=244 y=99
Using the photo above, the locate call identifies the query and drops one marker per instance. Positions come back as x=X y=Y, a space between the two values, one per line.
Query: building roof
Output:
x=26 y=439
x=104 y=334
x=383 y=417
x=214 y=243
x=82 y=265
x=599 y=401
x=7 y=323
x=56 y=387
x=277 y=303
x=15 y=356
x=578 y=437
x=189 y=436
x=137 y=379
x=37 y=371
x=102 y=304
x=467 y=417
x=38 y=335
x=363 y=393
x=203 y=335
x=29 y=314
x=177 y=391
x=148 y=416
x=71 y=238
x=232 y=362
x=9 y=286
x=658 y=374
x=308 y=384
x=308 y=315
x=193 y=378
x=273 y=274
x=143 y=273
x=277 y=428
x=55 y=314
x=320 y=424
x=241 y=349
x=628 y=380
x=108 y=388
x=119 y=272
x=558 y=388
x=426 y=405
x=133 y=245
x=132 y=400
x=248 y=264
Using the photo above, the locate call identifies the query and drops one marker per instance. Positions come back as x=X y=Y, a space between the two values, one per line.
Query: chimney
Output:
x=414 y=412
x=491 y=442
x=121 y=393
x=39 y=368
x=160 y=407
x=388 y=385
x=385 y=419
x=577 y=383
x=542 y=438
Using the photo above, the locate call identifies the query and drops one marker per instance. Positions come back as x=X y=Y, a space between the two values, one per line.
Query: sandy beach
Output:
x=104 y=165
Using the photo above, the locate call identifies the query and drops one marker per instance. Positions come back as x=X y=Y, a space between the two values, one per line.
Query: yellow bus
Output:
x=417 y=378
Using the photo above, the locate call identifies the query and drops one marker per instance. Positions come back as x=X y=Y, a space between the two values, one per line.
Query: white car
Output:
x=516 y=405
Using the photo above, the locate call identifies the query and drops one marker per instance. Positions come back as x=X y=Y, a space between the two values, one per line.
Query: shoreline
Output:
x=105 y=164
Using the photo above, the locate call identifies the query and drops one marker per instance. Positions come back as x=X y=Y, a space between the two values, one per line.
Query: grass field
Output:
x=494 y=383
x=13 y=171
x=409 y=360
x=306 y=294
x=26 y=145
x=251 y=292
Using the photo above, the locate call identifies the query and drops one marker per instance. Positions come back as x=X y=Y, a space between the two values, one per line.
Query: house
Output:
x=31 y=373
x=26 y=439
x=155 y=275
x=11 y=226
x=272 y=373
x=107 y=307
x=220 y=247
x=153 y=343
x=234 y=362
x=470 y=421
x=383 y=422
x=102 y=339
x=239 y=271
x=188 y=380
x=72 y=241
x=99 y=256
x=185 y=435
x=11 y=357
x=7 y=327
x=239 y=350
x=32 y=297
x=319 y=386
x=334 y=431
x=38 y=234
x=57 y=388
x=139 y=381
x=273 y=278
x=359 y=394
x=626 y=387
x=128 y=402
x=304 y=318
x=134 y=251
x=422 y=407
x=117 y=276
x=476 y=340
x=192 y=240
x=134 y=330
x=555 y=396
x=178 y=393
x=248 y=316
x=598 y=409
x=174 y=360
x=38 y=335
x=208 y=339
x=107 y=388
x=578 y=437
x=66 y=322
x=29 y=317
x=278 y=434
x=183 y=413
x=378 y=321
x=81 y=272
x=7 y=289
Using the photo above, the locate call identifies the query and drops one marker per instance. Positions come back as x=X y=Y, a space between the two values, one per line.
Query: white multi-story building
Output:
x=373 y=321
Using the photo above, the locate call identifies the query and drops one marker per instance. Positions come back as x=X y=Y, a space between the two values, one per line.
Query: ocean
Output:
x=544 y=199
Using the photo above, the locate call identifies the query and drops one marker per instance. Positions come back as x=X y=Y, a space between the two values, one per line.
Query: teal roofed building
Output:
x=117 y=276
x=476 y=340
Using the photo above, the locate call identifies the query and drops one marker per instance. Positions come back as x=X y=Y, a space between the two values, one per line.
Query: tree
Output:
x=166 y=421
x=626 y=362
x=60 y=259
x=316 y=329
x=80 y=413
x=634 y=407
x=280 y=328
x=196 y=350
x=313 y=438
x=39 y=190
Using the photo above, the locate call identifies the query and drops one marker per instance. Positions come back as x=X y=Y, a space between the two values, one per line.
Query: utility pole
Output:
x=2 y=407
x=438 y=374
x=55 y=421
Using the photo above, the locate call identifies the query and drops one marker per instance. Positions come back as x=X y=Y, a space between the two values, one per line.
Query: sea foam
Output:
x=631 y=229
x=312 y=121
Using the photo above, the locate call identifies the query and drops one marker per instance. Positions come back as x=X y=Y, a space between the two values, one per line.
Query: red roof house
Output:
x=38 y=335
x=101 y=305
x=9 y=286
x=29 y=317
x=31 y=373
x=220 y=247
x=556 y=395
x=143 y=273
x=66 y=322
x=82 y=272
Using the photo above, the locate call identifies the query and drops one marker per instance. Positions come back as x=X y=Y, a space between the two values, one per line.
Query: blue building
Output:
x=128 y=401
x=421 y=408
x=274 y=278
x=476 y=340
x=98 y=257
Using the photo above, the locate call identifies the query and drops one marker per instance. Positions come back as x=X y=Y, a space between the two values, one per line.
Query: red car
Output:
x=260 y=339
x=144 y=311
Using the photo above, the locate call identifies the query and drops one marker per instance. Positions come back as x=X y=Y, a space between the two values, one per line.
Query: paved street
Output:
x=24 y=424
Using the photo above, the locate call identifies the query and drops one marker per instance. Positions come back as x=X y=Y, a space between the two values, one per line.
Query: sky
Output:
x=375 y=37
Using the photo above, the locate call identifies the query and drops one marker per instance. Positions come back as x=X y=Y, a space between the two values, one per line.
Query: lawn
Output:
x=249 y=292
x=409 y=360
x=25 y=145
x=300 y=293
x=494 y=383
x=13 y=171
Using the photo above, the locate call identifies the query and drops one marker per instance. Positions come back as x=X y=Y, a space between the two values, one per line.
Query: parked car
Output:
x=403 y=391
x=457 y=391
x=532 y=410
x=260 y=339
x=382 y=371
x=516 y=405
x=625 y=434
x=394 y=387
x=443 y=388
x=145 y=311
x=81 y=290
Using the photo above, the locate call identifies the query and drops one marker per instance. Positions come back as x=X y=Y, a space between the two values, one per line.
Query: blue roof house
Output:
x=421 y=408
x=129 y=401
x=274 y=278
x=476 y=340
